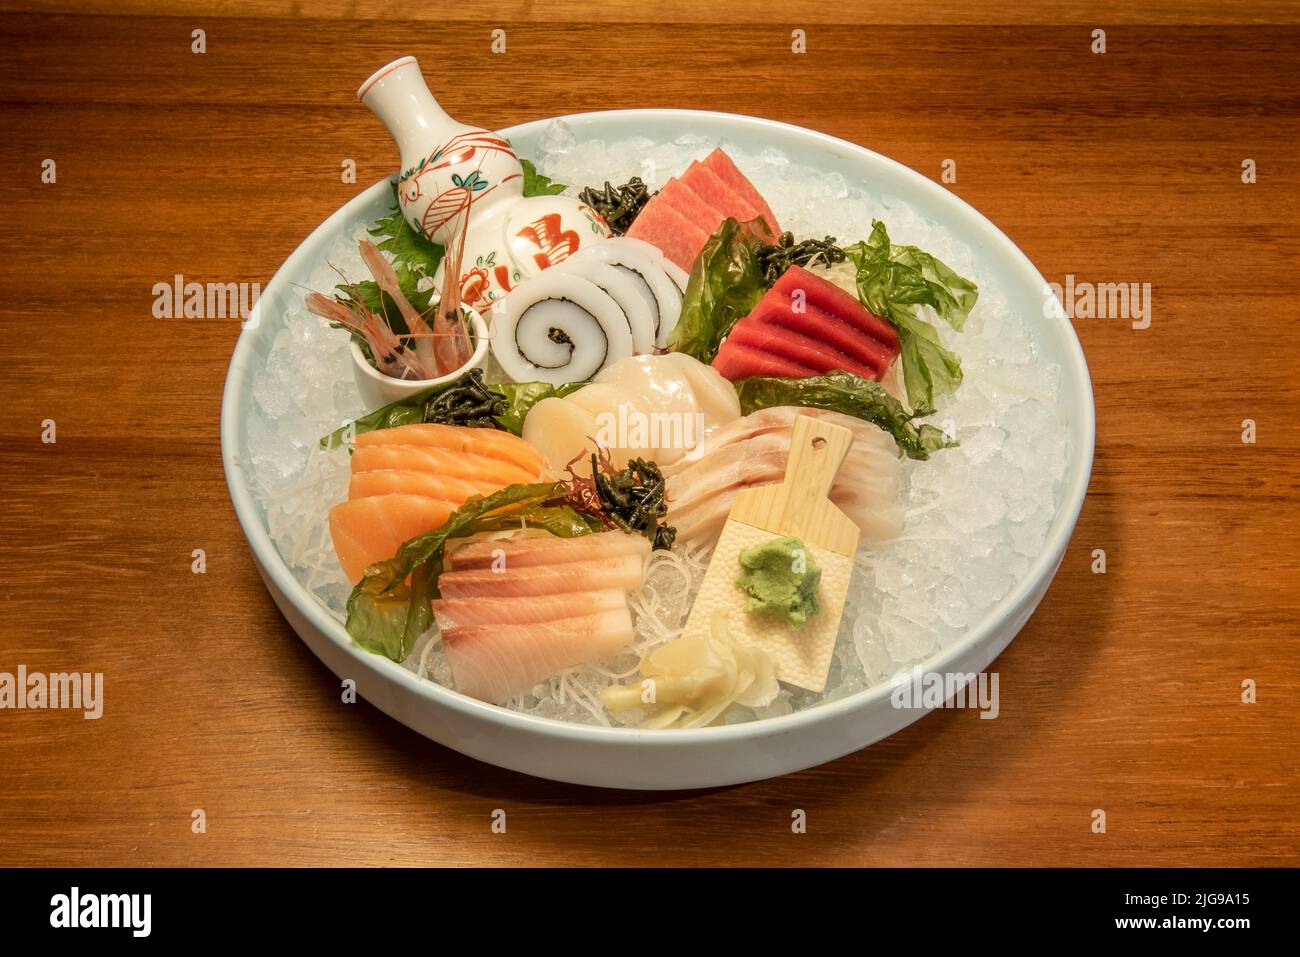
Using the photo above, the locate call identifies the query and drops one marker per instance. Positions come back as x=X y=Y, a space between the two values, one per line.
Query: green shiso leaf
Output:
x=892 y=281
x=535 y=184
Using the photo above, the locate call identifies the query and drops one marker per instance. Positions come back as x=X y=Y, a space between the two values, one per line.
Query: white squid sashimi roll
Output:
x=558 y=327
x=625 y=288
x=651 y=268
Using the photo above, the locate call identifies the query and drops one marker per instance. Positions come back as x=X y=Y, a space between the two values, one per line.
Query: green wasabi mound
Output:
x=782 y=579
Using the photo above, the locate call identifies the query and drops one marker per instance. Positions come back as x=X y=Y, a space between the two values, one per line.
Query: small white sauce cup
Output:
x=378 y=389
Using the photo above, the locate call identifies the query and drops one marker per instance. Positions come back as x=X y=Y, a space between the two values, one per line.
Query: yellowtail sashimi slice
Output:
x=453 y=613
x=547 y=550
x=494 y=662
x=623 y=571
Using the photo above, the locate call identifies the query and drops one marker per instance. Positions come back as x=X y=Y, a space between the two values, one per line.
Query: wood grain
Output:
x=1123 y=692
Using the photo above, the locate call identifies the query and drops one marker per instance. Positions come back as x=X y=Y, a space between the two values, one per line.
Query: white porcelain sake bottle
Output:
x=458 y=177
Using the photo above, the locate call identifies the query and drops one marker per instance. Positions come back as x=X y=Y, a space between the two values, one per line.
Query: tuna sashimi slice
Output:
x=716 y=193
x=490 y=443
x=621 y=571
x=454 y=613
x=689 y=203
x=812 y=322
x=548 y=550
x=679 y=239
x=427 y=458
x=737 y=361
x=405 y=482
x=369 y=530
x=778 y=338
x=727 y=171
x=828 y=297
x=494 y=662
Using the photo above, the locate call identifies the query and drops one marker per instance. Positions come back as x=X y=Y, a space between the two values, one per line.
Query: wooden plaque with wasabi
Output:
x=781 y=569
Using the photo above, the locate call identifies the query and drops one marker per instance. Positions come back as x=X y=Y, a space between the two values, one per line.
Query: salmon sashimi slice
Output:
x=548 y=550
x=454 y=613
x=404 y=482
x=489 y=443
x=369 y=530
x=493 y=473
x=828 y=297
x=495 y=662
x=679 y=239
x=621 y=571
x=722 y=166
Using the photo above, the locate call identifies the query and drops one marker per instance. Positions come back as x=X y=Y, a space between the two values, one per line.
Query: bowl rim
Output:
x=1014 y=603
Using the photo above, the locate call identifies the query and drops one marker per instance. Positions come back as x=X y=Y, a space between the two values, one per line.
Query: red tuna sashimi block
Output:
x=722 y=166
x=716 y=193
x=737 y=361
x=806 y=325
x=677 y=237
x=689 y=203
x=828 y=297
x=778 y=339
x=814 y=323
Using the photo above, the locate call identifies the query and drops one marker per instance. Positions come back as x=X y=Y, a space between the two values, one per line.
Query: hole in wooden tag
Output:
x=819 y=443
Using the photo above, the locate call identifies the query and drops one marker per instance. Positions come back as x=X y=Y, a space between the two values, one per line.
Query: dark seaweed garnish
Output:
x=468 y=403
x=617 y=205
x=775 y=258
x=631 y=499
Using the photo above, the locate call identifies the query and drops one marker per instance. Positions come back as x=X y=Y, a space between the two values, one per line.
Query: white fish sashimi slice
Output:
x=878 y=516
x=865 y=434
x=504 y=553
x=558 y=327
x=495 y=662
x=621 y=571
x=764 y=457
x=627 y=289
x=752 y=473
x=454 y=613
x=649 y=263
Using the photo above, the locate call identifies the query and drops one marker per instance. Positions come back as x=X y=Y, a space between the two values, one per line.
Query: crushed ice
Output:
x=977 y=515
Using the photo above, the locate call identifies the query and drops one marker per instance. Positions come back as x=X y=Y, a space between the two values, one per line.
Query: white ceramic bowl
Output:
x=378 y=389
x=707 y=757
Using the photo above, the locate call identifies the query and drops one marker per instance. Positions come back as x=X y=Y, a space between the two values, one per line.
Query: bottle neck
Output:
x=398 y=95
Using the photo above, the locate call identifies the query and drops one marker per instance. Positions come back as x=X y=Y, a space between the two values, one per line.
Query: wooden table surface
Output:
x=1123 y=693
